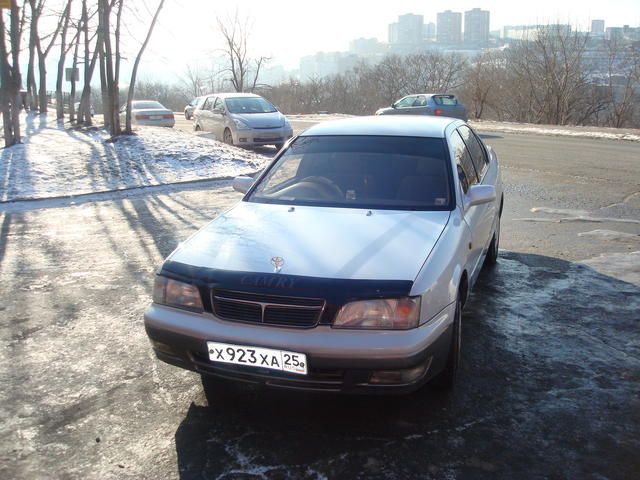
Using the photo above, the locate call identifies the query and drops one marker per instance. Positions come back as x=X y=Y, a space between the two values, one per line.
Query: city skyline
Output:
x=290 y=32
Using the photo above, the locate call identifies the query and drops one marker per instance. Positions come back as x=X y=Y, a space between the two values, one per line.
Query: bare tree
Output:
x=61 y=60
x=482 y=83
x=10 y=78
x=623 y=82
x=244 y=71
x=194 y=81
x=136 y=64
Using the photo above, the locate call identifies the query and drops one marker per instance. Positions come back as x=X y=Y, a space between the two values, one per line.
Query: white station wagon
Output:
x=346 y=265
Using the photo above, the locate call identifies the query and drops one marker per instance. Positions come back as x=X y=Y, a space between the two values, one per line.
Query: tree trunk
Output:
x=134 y=72
x=10 y=79
x=61 y=61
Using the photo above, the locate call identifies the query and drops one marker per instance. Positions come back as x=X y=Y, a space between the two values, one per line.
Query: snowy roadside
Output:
x=629 y=134
x=58 y=161
x=605 y=133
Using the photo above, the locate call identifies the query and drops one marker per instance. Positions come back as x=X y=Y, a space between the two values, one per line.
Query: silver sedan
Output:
x=149 y=113
x=345 y=267
x=242 y=119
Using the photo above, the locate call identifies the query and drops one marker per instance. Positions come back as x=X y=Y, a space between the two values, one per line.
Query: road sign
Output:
x=5 y=3
x=72 y=74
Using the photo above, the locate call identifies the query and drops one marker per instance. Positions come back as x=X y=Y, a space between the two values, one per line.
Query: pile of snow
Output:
x=56 y=161
x=562 y=131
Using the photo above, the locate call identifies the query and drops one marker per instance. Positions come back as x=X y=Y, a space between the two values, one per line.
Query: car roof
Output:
x=385 y=125
x=430 y=95
x=234 y=95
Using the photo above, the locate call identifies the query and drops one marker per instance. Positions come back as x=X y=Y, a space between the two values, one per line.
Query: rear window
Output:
x=386 y=172
x=445 y=100
x=146 y=105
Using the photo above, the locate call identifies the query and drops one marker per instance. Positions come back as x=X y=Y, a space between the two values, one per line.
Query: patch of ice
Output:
x=610 y=235
x=573 y=216
x=625 y=266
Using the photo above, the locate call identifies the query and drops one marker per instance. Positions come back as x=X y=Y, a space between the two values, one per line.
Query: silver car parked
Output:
x=346 y=265
x=438 y=105
x=242 y=119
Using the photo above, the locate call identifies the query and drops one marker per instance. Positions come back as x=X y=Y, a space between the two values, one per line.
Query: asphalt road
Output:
x=549 y=384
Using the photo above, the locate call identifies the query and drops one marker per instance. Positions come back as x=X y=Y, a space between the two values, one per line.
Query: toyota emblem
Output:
x=277 y=263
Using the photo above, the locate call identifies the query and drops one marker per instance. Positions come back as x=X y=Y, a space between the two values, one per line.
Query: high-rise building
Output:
x=408 y=29
x=476 y=27
x=597 y=27
x=429 y=31
x=449 y=28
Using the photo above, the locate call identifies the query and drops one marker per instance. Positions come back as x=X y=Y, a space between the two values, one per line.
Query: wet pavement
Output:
x=549 y=385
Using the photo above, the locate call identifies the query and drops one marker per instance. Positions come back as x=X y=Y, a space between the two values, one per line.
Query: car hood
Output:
x=323 y=242
x=261 y=120
x=385 y=110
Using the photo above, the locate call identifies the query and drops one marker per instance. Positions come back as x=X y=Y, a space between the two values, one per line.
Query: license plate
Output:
x=155 y=117
x=258 y=357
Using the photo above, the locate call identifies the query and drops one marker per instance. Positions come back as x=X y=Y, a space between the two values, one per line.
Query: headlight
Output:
x=390 y=314
x=240 y=124
x=176 y=294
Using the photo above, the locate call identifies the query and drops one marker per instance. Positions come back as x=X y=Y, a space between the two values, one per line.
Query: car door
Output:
x=473 y=215
x=204 y=114
x=480 y=161
x=218 y=118
x=403 y=106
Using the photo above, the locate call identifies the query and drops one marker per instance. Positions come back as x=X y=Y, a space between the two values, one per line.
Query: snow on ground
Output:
x=56 y=160
x=563 y=131
x=512 y=127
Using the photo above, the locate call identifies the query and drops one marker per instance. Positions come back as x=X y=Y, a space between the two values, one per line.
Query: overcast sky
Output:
x=287 y=29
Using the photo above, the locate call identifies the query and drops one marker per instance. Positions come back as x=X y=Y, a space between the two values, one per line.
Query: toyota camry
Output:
x=345 y=267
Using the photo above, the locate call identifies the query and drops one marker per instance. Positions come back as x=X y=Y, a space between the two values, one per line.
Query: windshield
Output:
x=386 y=172
x=146 y=105
x=249 y=105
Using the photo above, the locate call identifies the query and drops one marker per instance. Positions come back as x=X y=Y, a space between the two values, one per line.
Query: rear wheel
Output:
x=446 y=379
x=228 y=137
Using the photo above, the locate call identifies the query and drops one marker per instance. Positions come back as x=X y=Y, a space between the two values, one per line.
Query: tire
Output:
x=210 y=386
x=492 y=255
x=197 y=128
x=227 y=137
x=446 y=379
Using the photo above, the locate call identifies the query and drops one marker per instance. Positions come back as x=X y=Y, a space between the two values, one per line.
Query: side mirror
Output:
x=394 y=105
x=243 y=183
x=481 y=194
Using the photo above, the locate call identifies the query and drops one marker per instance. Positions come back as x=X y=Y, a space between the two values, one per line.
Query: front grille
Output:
x=267 y=309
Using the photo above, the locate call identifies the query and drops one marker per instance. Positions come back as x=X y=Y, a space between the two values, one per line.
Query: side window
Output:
x=421 y=101
x=466 y=171
x=406 y=102
x=207 y=103
x=477 y=151
x=218 y=105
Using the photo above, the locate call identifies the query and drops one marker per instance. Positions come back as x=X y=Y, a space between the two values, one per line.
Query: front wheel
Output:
x=228 y=137
x=492 y=254
x=446 y=379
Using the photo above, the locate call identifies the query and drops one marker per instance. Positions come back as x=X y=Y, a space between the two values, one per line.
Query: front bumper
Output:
x=254 y=137
x=338 y=360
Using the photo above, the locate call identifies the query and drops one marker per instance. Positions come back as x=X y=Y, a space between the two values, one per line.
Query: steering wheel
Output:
x=327 y=185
